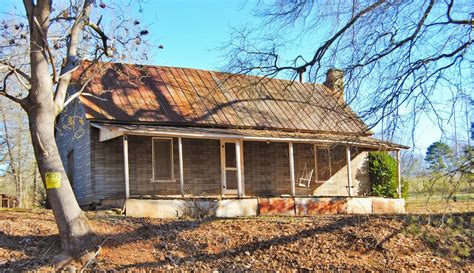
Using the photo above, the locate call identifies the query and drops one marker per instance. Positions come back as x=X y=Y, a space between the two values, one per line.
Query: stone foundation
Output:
x=281 y=206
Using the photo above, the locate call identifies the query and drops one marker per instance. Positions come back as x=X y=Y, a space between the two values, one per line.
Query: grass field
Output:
x=439 y=204
x=441 y=196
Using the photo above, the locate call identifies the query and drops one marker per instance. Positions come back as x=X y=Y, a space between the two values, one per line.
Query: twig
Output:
x=44 y=254
x=95 y=255
x=75 y=95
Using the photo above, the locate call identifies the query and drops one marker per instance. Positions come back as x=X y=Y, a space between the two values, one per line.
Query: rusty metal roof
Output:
x=173 y=96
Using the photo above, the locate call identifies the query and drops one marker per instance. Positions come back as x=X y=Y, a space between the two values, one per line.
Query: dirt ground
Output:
x=29 y=241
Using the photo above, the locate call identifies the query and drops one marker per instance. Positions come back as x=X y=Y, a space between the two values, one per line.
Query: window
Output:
x=162 y=159
x=70 y=168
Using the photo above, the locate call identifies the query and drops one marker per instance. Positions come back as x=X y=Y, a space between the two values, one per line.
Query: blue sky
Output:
x=193 y=31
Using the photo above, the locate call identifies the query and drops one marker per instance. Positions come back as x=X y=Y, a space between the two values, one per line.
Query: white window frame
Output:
x=172 y=179
x=316 y=147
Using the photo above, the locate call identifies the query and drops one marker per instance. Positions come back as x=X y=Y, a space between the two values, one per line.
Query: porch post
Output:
x=399 y=176
x=239 y=168
x=181 y=168
x=292 y=167
x=125 y=166
x=349 y=170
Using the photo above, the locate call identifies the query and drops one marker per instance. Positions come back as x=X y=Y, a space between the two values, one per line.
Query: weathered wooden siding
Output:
x=266 y=169
x=73 y=133
x=201 y=167
x=107 y=167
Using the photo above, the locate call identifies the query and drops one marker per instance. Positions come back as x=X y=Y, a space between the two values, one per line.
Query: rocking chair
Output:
x=305 y=179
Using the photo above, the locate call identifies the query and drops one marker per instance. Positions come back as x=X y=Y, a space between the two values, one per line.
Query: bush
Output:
x=383 y=175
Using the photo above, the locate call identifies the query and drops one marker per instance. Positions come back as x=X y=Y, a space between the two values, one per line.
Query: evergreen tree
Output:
x=439 y=156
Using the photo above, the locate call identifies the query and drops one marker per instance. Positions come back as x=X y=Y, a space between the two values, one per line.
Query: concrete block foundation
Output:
x=273 y=206
x=155 y=208
x=388 y=206
x=317 y=206
x=276 y=206
x=237 y=208
x=359 y=205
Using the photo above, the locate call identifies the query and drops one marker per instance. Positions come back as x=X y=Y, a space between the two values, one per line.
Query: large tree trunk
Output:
x=74 y=228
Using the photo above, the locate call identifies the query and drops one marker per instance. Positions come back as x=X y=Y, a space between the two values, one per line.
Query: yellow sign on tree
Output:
x=53 y=180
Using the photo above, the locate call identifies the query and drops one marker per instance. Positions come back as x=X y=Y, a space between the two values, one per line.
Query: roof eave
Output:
x=214 y=133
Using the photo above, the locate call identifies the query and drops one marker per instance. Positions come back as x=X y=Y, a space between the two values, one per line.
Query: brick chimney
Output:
x=301 y=73
x=335 y=82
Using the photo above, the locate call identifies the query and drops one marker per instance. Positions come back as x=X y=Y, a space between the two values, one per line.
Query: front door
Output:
x=230 y=168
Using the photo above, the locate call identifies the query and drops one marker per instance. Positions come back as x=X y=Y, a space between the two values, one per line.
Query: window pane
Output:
x=231 y=180
x=162 y=161
x=230 y=160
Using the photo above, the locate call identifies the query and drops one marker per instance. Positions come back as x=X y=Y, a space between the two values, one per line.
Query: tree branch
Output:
x=3 y=91
x=103 y=37
x=77 y=94
x=29 y=5
x=458 y=22
x=72 y=61
x=17 y=71
x=17 y=75
x=386 y=52
x=50 y=55
x=322 y=50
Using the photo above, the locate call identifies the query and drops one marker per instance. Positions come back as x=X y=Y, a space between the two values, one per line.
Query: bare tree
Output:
x=44 y=45
x=400 y=58
x=17 y=147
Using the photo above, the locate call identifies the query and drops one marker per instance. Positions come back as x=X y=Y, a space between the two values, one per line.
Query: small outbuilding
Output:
x=152 y=134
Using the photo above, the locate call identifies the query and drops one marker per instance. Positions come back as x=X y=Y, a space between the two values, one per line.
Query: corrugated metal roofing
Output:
x=192 y=97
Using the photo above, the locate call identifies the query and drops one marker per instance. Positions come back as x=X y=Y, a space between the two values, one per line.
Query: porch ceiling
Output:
x=109 y=131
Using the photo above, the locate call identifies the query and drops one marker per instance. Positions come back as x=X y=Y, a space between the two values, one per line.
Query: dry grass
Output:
x=438 y=203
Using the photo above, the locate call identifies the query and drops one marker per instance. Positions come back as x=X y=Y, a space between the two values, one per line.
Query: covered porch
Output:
x=162 y=162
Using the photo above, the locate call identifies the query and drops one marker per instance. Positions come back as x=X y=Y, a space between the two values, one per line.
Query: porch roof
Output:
x=109 y=131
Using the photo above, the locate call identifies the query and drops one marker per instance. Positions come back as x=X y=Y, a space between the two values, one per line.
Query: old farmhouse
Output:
x=158 y=137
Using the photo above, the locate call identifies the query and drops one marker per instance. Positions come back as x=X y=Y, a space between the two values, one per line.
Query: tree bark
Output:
x=74 y=229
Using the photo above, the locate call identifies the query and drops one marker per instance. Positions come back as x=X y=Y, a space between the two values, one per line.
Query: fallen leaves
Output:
x=28 y=240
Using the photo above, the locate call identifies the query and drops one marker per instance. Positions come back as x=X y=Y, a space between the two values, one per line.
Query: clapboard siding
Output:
x=201 y=167
x=73 y=133
x=99 y=170
x=266 y=168
x=107 y=167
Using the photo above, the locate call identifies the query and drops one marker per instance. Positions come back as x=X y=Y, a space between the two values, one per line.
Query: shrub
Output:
x=383 y=174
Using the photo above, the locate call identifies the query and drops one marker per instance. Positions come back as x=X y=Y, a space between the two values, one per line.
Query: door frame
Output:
x=224 y=168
